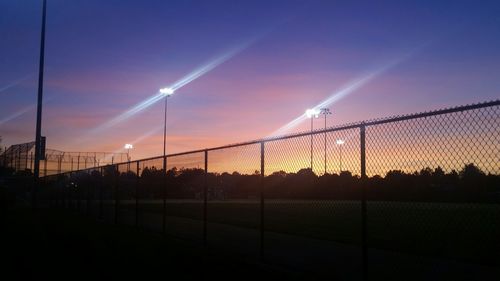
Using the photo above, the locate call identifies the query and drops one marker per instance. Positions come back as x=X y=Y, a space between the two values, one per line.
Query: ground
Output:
x=50 y=244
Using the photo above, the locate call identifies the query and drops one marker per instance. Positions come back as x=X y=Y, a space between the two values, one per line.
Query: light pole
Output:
x=167 y=92
x=312 y=113
x=128 y=147
x=340 y=143
x=325 y=112
x=38 y=134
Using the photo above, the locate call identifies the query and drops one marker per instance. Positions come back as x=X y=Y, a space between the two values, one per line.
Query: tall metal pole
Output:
x=18 y=162
x=363 y=203
x=165 y=167
x=165 y=135
x=312 y=143
x=116 y=177
x=262 y=167
x=325 y=143
x=137 y=179
x=59 y=164
x=26 y=159
x=325 y=111
x=205 y=201
x=38 y=137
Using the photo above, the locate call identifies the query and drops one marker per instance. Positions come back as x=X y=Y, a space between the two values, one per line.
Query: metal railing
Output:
x=381 y=198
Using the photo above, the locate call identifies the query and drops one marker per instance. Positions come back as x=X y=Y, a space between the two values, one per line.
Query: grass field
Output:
x=55 y=245
x=459 y=231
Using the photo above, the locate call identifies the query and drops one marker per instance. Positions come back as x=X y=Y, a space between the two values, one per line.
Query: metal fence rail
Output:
x=376 y=199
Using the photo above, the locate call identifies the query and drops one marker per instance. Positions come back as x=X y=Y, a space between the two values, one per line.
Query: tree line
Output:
x=470 y=184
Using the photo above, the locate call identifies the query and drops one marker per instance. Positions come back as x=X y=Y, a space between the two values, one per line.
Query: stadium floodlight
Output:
x=167 y=91
x=325 y=111
x=312 y=113
x=340 y=142
x=128 y=147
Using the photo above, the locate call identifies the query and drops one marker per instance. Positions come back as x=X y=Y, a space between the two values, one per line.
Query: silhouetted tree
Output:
x=468 y=185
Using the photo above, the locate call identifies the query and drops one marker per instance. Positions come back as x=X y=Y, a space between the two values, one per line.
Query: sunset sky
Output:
x=265 y=62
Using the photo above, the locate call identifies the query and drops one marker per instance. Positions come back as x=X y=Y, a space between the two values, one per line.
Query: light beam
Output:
x=347 y=89
x=22 y=111
x=16 y=114
x=15 y=83
x=173 y=88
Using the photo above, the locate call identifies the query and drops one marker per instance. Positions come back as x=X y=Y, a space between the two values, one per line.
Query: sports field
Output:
x=458 y=231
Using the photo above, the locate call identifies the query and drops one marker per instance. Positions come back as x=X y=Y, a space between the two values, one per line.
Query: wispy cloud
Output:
x=15 y=83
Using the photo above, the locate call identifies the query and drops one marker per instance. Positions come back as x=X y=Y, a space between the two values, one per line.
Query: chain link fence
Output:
x=406 y=197
x=21 y=158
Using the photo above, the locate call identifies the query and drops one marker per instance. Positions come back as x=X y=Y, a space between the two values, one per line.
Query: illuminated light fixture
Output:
x=167 y=91
x=128 y=147
x=325 y=111
x=313 y=113
x=340 y=142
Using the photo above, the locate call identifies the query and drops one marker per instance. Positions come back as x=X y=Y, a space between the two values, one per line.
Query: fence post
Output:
x=59 y=164
x=18 y=164
x=26 y=160
x=101 y=194
x=45 y=166
x=205 y=199
x=58 y=194
x=87 y=188
x=63 y=193
x=164 y=216
x=116 y=193
x=137 y=179
x=71 y=197
x=262 y=200
x=363 y=203
x=78 y=194
x=68 y=195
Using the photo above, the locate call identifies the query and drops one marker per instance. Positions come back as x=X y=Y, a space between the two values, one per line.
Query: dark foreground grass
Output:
x=49 y=244
x=459 y=231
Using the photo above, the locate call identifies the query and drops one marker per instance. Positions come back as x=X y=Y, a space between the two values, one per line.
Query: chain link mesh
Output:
x=431 y=191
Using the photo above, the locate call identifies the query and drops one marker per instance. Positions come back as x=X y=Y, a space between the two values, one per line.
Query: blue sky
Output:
x=103 y=57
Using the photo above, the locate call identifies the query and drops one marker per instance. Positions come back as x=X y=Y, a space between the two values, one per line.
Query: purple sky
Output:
x=104 y=57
